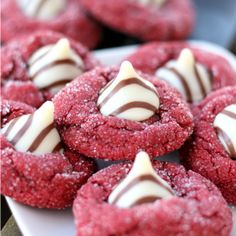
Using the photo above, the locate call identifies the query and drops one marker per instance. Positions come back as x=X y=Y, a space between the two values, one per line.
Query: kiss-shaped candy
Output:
x=141 y=185
x=190 y=78
x=52 y=66
x=129 y=96
x=35 y=132
x=41 y=9
x=225 y=125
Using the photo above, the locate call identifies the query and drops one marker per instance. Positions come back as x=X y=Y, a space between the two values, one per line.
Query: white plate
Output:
x=38 y=222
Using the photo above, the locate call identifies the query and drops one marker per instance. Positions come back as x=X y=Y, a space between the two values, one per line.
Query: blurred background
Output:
x=216 y=22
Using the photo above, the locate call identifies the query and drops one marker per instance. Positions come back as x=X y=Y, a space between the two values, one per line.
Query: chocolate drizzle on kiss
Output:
x=23 y=130
x=55 y=63
x=229 y=113
x=226 y=141
x=187 y=87
x=38 y=8
x=131 y=105
x=60 y=62
x=137 y=180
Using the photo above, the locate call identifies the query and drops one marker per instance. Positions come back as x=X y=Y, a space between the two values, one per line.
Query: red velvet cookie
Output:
x=139 y=113
x=211 y=149
x=48 y=180
x=12 y=109
x=192 y=71
x=146 y=20
x=20 y=18
x=196 y=206
x=33 y=69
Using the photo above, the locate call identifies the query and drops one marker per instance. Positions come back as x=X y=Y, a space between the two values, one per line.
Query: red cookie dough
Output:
x=16 y=84
x=174 y=20
x=72 y=21
x=197 y=209
x=204 y=153
x=12 y=109
x=45 y=181
x=148 y=58
x=84 y=129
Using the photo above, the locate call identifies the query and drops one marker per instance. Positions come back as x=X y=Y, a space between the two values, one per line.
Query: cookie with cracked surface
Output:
x=32 y=173
x=194 y=207
x=20 y=17
x=145 y=20
x=210 y=151
x=35 y=68
x=112 y=113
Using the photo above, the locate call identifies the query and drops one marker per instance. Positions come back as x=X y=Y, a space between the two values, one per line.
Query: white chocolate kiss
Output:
x=35 y=132
x=157 y=3
x=52 y=66
x=191 y=79
x=129 y=96
x=141 y=185
x=225 y=125
x=42 y=9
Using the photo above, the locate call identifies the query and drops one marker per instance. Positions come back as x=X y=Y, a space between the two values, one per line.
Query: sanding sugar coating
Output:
x=150 y=58
x=204 y=152
x=197 y=208
x=17 y=83
x=44 y=181
x=71 y=20
x=172 y=20
x=12 y=109
x=109 y=137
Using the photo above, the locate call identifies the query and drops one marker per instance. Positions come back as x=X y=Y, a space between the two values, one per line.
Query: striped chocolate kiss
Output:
x=129 y=96
x=191 y=79
x=141 y=185
x=52 y=66
x=225 y=126
x=35 y=132
x=41 y=9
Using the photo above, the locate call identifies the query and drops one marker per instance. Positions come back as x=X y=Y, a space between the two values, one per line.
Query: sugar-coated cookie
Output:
x=112 y=113
x=22 y=17
x=35 y=68
x=211 y=150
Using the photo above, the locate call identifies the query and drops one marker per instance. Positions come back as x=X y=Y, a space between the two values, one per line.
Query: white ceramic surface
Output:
x=38 y=222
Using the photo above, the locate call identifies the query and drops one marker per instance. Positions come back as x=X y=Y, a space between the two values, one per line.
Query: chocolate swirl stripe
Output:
x=22 y=130
x=121 y=85
x=131 y=105
x=147 y=199
x=106 y=86
x=137 y=180
x=55 y=63
x=38 y=140
x=40 y=57
x=187 y=89
x=229 y=114
x=227 y=141
x=10 y=127
x=201 y=85
x=40 y=6
x=58 y=147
